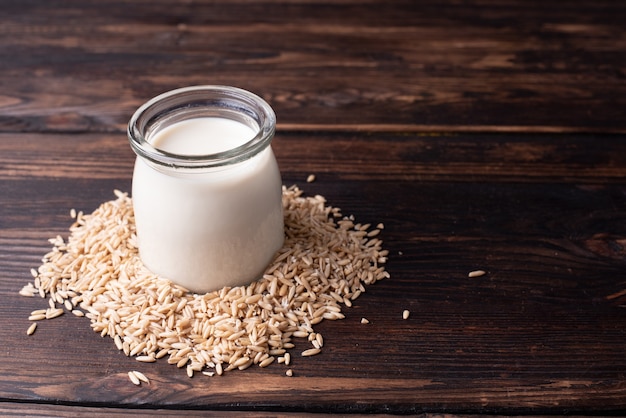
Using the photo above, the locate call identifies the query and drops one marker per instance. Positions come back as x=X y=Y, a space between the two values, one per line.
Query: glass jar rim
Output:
x=192 y=102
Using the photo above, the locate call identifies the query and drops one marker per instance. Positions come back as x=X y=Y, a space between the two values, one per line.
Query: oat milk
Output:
x=214 y=228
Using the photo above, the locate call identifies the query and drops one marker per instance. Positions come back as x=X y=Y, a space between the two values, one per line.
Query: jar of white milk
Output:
x=207 y=192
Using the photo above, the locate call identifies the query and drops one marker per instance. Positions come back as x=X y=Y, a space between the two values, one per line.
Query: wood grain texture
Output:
x=523 y=66
x=536 y=334
x=483 y=134
x=35 y=410
x=404 y=156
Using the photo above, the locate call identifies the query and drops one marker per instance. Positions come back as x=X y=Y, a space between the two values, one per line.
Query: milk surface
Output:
x=207 y=230
x=202 y=136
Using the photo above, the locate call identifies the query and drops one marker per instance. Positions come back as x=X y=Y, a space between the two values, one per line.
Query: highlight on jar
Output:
x=206 y=188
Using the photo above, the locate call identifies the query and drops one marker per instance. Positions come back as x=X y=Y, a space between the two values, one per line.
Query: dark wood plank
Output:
x=406 y=156
x=36 y=410
x=484 y=134
x=517 y=340
x=480 y=65
x=536 y=334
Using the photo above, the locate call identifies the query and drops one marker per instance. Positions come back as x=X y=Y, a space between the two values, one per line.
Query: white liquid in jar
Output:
x=207 y=230
x=201 y=136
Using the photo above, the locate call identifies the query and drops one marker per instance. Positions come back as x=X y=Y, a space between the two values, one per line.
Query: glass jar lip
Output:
x=232 y=100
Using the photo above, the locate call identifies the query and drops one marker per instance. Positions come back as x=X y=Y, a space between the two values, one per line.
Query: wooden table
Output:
x=484 y=135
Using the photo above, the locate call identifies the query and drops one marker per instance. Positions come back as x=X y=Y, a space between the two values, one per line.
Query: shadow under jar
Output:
x=207 y=191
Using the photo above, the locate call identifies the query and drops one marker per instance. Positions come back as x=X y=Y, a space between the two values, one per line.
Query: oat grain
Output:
x=325 y=264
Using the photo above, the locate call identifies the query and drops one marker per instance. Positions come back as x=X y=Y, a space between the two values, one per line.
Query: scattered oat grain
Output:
x=476 y=273
x=405 y=314
x=31 y=329
x=289 y=372
x=310 y=178
x=133 y=378
x=311 y=352
x=53 y=313
x=319 y=339
x=141 y=376
x=29 y=290
x=267 y=361
x=324 y=265
x=364 y=321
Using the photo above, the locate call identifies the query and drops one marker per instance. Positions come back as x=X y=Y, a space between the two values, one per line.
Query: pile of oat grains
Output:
x=325 y=263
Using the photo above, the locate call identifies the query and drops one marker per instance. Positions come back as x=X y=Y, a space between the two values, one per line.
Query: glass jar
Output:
x=207 y=191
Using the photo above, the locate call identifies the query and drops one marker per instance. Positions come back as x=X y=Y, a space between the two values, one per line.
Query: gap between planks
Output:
x=376 y=127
